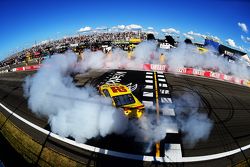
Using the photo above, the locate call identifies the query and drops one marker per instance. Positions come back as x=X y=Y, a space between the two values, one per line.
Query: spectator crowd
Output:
x=86 y=41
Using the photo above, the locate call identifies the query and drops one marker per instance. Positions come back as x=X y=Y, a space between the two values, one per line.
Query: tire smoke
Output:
x=77 y=112
x=83 y=114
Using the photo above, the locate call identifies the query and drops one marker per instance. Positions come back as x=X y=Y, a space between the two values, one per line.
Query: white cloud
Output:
x=231 y=42
x=85 y=29
x=44 y=42
x=196 y=34
x=150 y=30
x=243 y=27
x=130 y=27
x=242 y=38
x=245 y=39
x=215 y=37
x=241 y=48
x=119 y=27
x=133 y=27
x=40 y=43
x=101 y=28
x=188 y=36
x=170 y=31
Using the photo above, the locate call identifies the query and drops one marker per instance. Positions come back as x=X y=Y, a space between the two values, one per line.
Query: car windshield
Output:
x=122 y=100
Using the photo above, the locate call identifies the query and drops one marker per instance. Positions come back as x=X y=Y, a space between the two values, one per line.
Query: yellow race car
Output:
x=122 y=97
x=202 y=50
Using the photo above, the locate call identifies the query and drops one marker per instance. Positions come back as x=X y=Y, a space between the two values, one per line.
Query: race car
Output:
x=202 y=50
x=122 y=97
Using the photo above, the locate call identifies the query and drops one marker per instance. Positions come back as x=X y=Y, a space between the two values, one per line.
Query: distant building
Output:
x=212 y=43
x=229 y=53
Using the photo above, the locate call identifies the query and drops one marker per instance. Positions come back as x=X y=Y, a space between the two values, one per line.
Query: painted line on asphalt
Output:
x=149 y=73
x=163 y=85
x=173 y=151
x=148 y=86
x=166 y=100
x=126 y=155
x=161 y=80
x=148 y=104
x=149 y=81
x=164 y=91
x=168 y=112
x=149 y=76
x=173 y=129
x=148 y=94
x=160 y=76
x=46 y=132
x=157 y=145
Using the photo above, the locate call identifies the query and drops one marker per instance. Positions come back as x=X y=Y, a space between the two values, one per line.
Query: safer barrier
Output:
x=165 y=68
x=27 y=68
x=198 y=72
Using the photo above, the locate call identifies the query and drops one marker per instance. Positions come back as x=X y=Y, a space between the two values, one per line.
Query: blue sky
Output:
x=25 y=21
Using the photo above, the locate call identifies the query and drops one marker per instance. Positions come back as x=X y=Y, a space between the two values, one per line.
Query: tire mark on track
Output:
x=221 y=121
x=218 y=128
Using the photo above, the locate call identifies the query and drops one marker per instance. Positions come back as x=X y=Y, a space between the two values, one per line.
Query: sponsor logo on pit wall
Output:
x=158 y=67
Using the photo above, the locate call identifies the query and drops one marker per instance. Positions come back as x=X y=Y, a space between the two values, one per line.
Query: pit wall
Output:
x=27 y=68
x=198 y=72
x=164 y=68
x=183 y=70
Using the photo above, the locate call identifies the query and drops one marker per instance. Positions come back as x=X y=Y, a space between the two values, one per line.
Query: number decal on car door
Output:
x=116 y=89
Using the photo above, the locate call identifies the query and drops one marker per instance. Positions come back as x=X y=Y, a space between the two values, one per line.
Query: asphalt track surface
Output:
x=227 y=105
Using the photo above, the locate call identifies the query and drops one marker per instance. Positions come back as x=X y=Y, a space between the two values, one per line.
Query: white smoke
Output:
x=151 y=129
x=194 y=125
x=91 y=60
x=77 y=112
x=188 y=56
x=83 y=114
x=182 y=56
x=145 y=52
